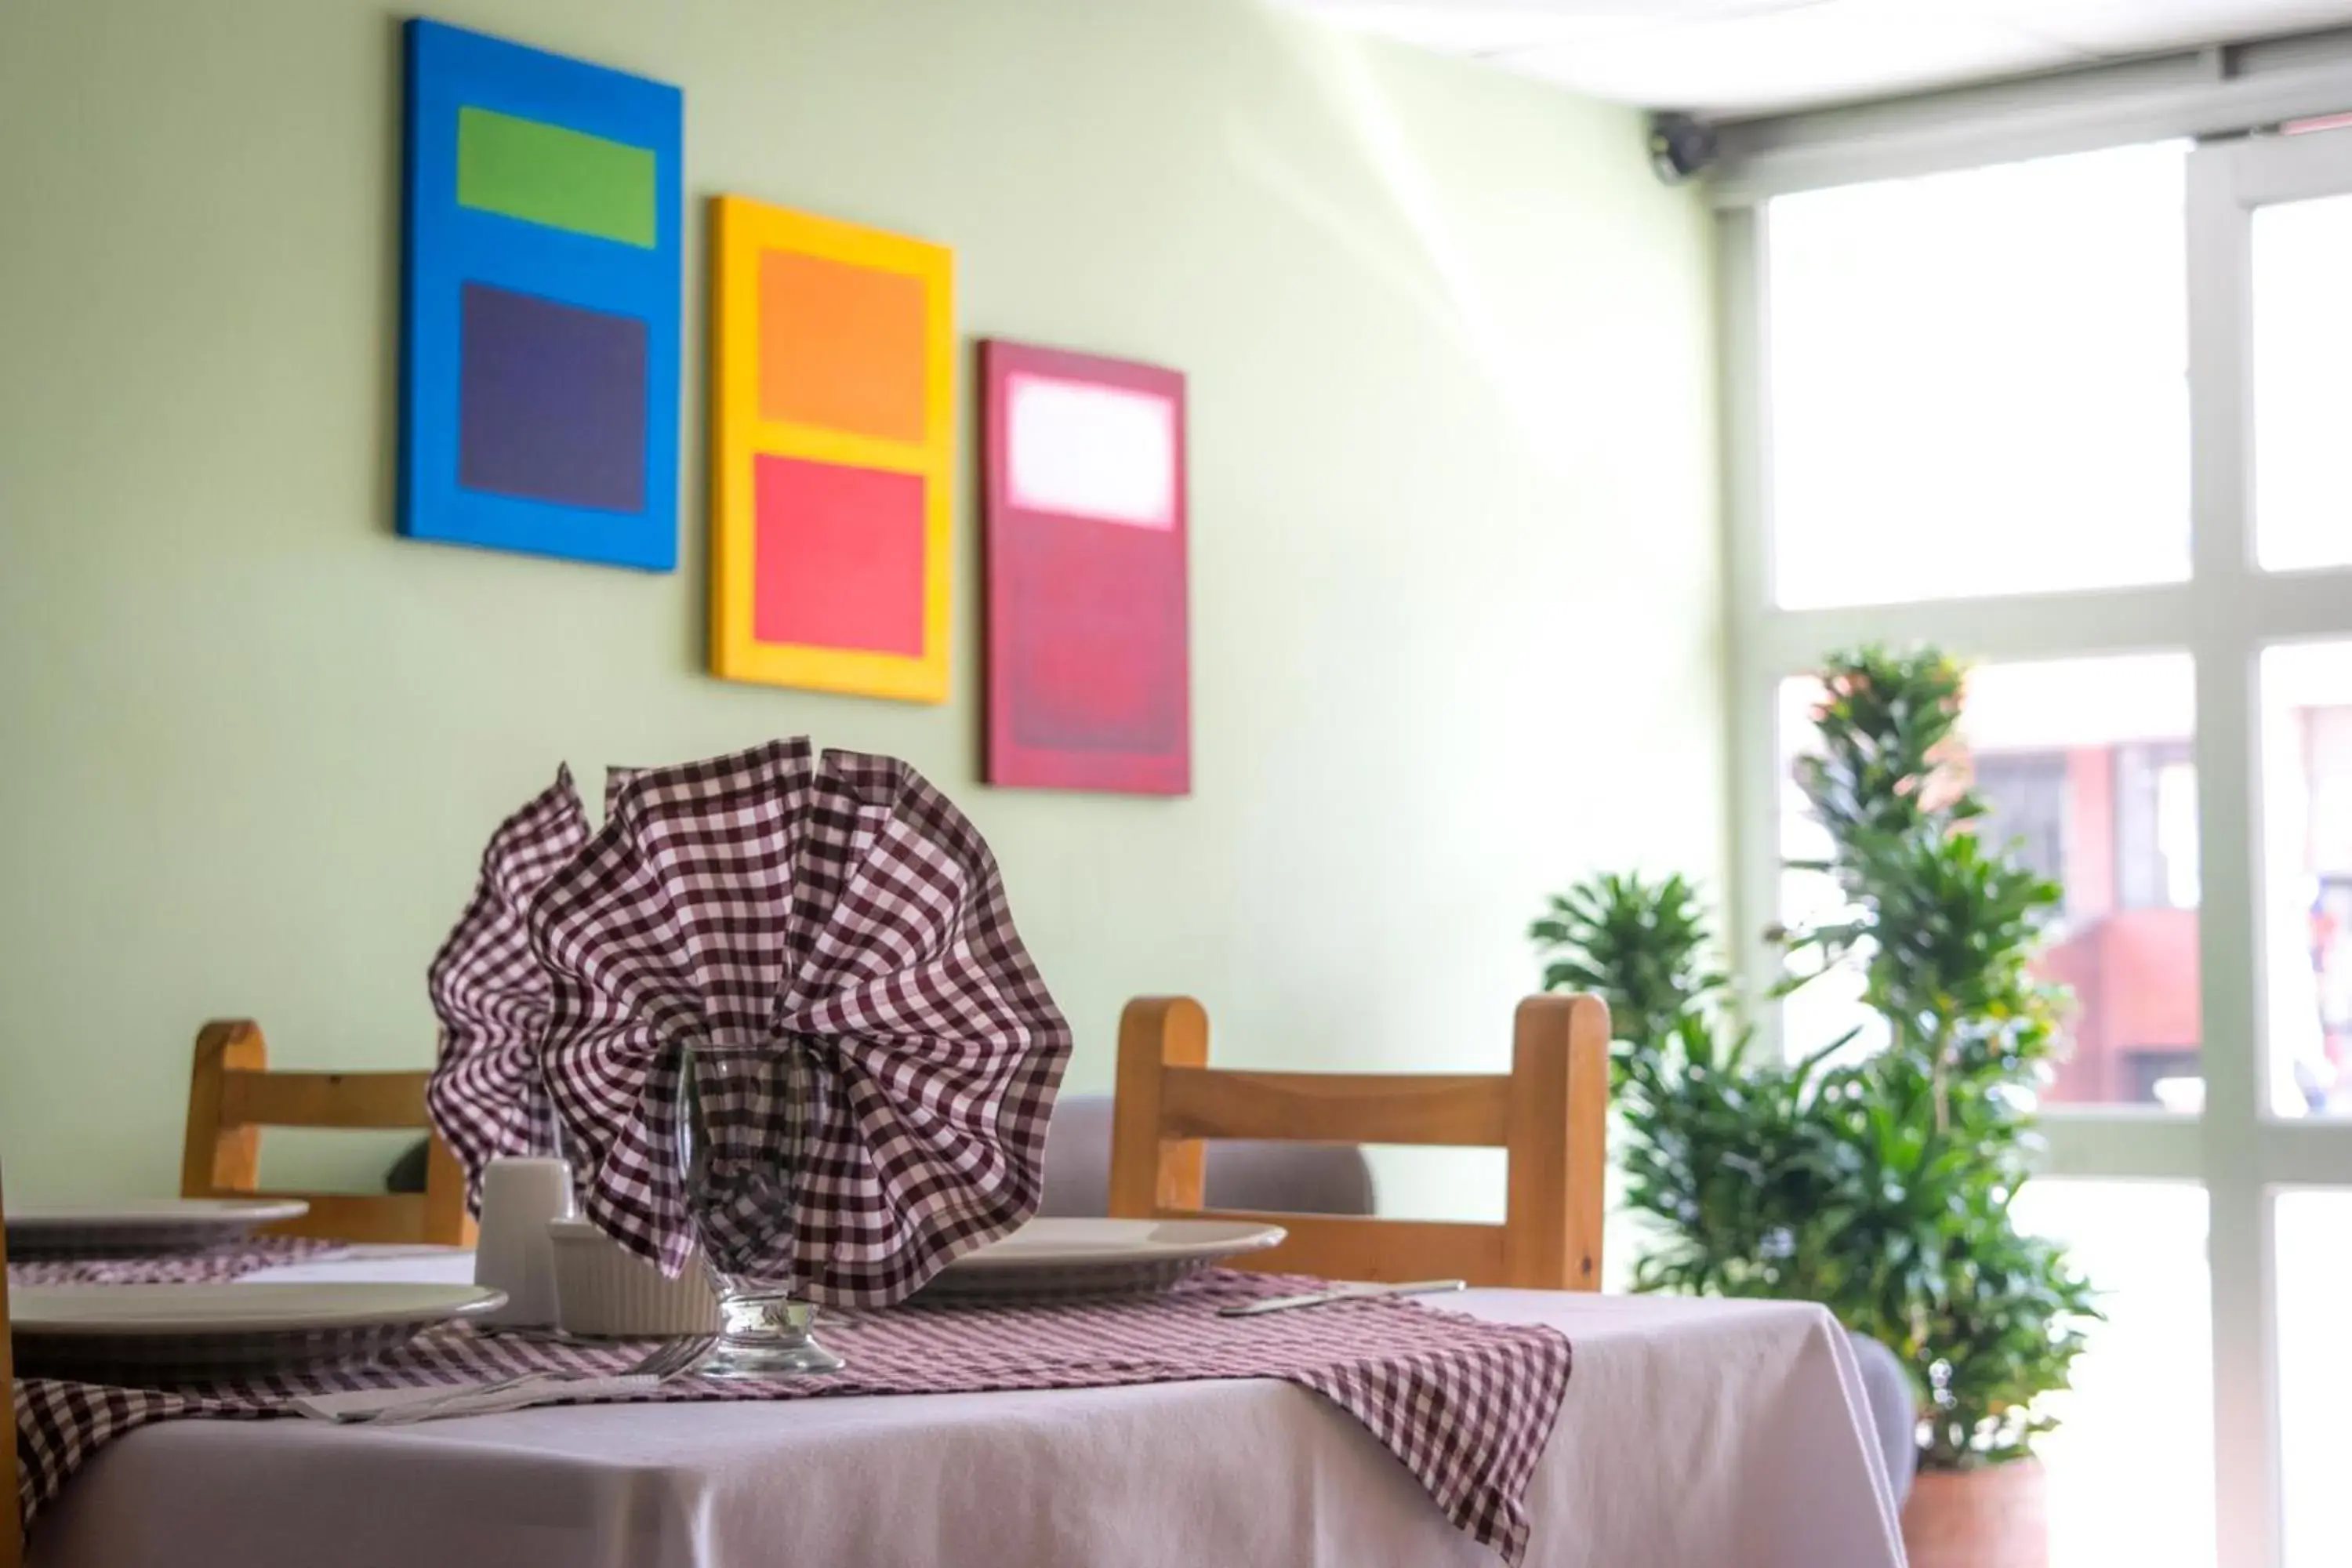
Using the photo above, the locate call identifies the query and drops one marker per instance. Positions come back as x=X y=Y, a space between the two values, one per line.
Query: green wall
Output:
x=1453 y=572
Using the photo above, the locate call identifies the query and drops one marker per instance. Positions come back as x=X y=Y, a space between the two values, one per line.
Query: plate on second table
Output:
x=1098 y=1256
x=149 y=1225
x=136 y=1333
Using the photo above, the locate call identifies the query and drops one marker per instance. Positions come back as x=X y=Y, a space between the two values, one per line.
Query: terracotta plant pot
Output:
x=1994 y=1517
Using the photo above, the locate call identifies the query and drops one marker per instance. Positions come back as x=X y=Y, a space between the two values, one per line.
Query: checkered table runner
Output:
x=1466 y=1405
x=230 y=1260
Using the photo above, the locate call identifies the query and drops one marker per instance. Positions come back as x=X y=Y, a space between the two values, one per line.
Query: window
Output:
x=1973 y=412
x=2087 y=767
x=2115 y=1498
x=2156 y=827
x=2316 y=1279
x=2028 y=805
x=2302 y=342
x=1979 y=382
x=2307 y=804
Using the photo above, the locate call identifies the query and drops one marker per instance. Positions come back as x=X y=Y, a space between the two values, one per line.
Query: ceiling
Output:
x=1731 y=57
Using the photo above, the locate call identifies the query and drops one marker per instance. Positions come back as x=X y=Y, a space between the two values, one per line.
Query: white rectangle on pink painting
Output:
x=1084 y=449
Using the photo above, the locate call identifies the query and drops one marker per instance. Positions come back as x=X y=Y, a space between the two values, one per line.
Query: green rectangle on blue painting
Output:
x=547 y=175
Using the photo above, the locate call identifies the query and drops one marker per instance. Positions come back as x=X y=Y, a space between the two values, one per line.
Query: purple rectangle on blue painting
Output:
x=550 y=401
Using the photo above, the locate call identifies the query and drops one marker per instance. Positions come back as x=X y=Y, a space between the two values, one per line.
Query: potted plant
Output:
x=1874 y=1176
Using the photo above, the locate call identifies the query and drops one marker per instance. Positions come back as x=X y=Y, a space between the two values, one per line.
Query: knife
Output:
x=1337 y=1293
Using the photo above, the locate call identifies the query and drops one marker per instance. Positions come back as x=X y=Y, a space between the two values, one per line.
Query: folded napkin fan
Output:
x=833 y=934
x=485 y=1095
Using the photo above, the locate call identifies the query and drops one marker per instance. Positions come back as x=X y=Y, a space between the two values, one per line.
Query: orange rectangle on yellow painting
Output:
x=834 y=344
x=841 y=347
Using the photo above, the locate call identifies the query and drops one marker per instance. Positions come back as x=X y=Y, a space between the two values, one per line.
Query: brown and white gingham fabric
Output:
x=485 y=1095
x=1466 y=1405
x=771 y=910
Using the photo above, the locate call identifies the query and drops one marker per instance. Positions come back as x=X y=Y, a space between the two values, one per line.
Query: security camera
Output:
x=1680 y=146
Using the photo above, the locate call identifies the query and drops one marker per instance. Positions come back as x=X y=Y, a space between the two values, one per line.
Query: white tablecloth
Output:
x=1727 y=1435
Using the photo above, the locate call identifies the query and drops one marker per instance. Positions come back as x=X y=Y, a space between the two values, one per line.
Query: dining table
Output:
x=1692 y=1432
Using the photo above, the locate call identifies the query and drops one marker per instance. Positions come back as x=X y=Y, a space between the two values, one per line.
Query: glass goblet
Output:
x=744 y=1135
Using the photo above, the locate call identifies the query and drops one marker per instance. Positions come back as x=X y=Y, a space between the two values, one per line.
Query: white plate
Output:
x=1091 y=1256
x=135 y=1333
x=153 y=1225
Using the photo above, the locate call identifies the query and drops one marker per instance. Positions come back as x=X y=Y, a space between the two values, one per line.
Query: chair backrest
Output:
x=11 y=1543
x=1549 y=1114
x=232 y=1094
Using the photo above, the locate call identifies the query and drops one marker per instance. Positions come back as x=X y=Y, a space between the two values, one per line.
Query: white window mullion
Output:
x=2036 y=626
x=2127 y=1145
x=2289 y=605
x=1753 y=897
x=2310 y=1153
x=2247 y=1510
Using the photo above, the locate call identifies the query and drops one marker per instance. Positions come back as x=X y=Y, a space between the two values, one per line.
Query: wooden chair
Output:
x=232 y=1094
x=11 y=1542
x=1549 y=1112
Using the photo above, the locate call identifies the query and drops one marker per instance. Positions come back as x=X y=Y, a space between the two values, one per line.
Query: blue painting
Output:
x=539 y=294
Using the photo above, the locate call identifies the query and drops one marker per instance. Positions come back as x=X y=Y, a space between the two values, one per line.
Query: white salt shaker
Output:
x=513 y=1255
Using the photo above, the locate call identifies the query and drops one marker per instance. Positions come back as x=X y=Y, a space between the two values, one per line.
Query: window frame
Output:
x=2225 y=614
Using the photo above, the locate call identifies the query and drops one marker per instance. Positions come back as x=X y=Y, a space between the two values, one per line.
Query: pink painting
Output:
x=1089 y=684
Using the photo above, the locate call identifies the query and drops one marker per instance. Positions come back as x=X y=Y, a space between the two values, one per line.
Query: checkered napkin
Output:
x=485 y=1095
x=1466 y=1405
x=830 y=937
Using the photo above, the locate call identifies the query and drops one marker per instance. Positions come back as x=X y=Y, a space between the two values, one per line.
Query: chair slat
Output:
x=342 y=1099
x=1452 y=1110
x=1357 y=1247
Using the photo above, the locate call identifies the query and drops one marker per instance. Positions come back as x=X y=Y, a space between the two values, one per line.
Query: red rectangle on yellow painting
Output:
x=836 y=556
x=841 y=347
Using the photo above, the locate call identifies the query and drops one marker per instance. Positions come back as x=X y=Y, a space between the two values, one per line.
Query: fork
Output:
x=674 y=1359
x=666 y=1362
x=1336 y=1293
